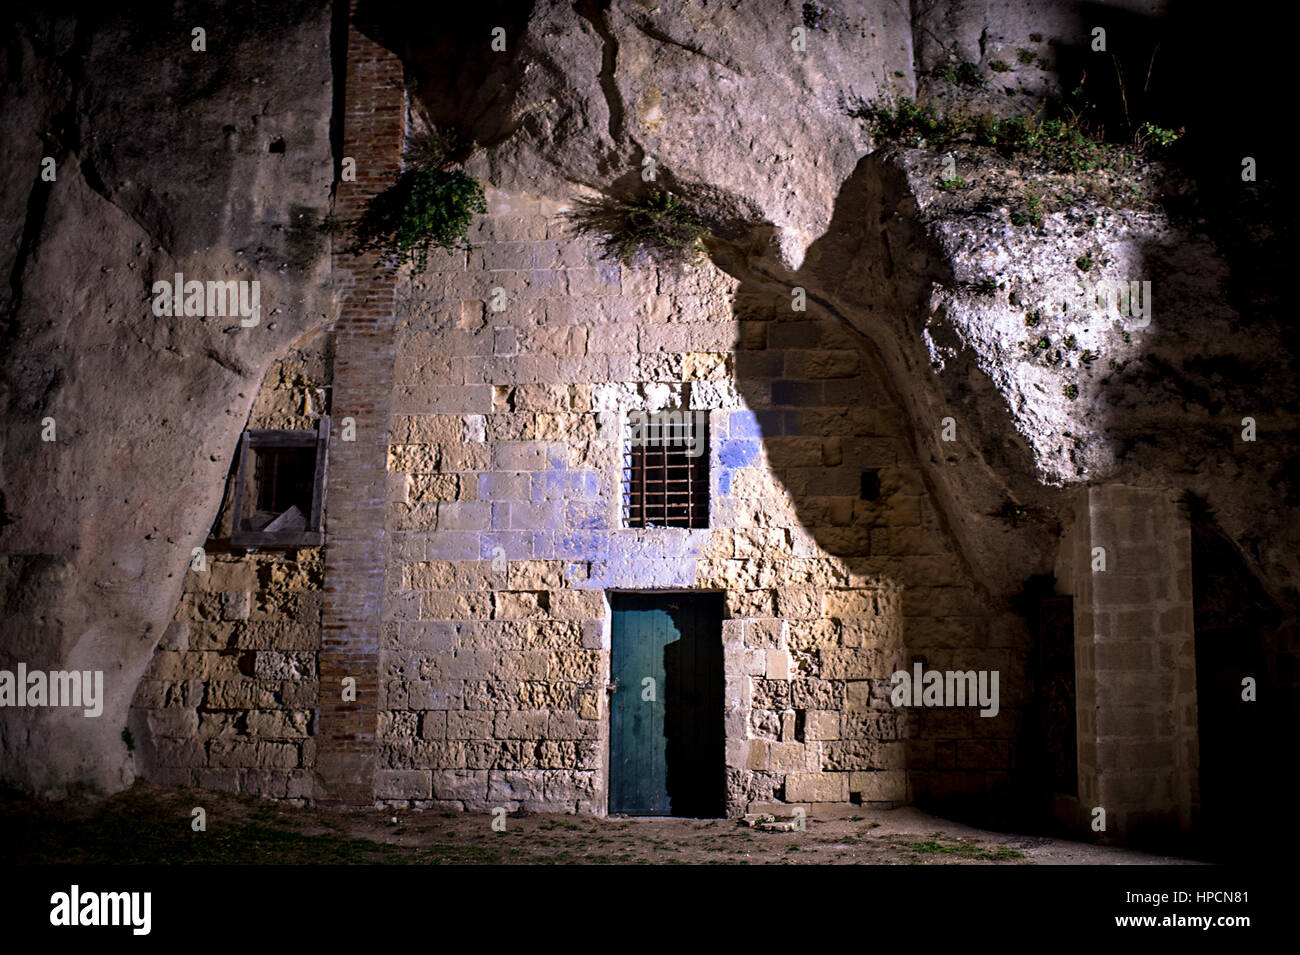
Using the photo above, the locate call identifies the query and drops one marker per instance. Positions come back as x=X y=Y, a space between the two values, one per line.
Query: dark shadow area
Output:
x=1213 y=75
x=1242 y=800
x=464 y=84
x=1226 y=105
x=839 y=432
x=1049 y=764
x=694 y=735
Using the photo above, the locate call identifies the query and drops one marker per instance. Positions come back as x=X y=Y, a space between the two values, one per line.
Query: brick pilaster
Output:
x=373 y=129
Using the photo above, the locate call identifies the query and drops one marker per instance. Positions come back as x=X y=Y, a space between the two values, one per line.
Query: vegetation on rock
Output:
x=1057 y=136
x=659 y=223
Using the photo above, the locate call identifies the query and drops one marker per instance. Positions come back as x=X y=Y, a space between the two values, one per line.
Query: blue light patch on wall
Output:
x=744 y=424
x=737 y=453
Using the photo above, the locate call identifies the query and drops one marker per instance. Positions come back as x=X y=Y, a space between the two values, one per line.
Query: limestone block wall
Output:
x=1135 y=661
x=505 y=534
x=228 y=699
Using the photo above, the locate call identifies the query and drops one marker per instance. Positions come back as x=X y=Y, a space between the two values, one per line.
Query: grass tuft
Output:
x=660 y=224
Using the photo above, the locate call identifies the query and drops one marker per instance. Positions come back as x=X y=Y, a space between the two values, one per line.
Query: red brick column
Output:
x=355 y=542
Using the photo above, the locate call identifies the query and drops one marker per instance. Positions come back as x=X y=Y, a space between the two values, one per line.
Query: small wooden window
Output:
x=666 y=471
x=280 y=488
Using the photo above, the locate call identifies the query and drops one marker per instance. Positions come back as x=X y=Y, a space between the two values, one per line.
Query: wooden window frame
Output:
x=252 y=440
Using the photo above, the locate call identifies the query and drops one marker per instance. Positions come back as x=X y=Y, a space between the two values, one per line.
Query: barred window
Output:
x=666 y=469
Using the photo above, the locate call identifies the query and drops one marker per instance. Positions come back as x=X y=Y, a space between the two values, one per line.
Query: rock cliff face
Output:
x=213 y=164
x=219 y=167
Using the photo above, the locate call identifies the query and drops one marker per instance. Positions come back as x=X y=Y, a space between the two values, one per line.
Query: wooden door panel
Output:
x=667 y=754
x=638 y=756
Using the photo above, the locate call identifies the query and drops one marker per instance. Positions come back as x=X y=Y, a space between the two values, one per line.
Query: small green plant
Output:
x=1031 y=214
x=1088 y=356
x=1026 y=56
x=658 y=223
x=1035 y=211
x=1042 y=344
x=988 y=286
x=426 y=208
x=1000 y=66
x=904 y=121
x=1059 y=138
x=1032 y=319
x=1149 y=134
x=962 y=74
x=128 y=738
x=1084 y=263
x=949 y=185
x=946 y=845
x=1069 y=342
x=1071 y=390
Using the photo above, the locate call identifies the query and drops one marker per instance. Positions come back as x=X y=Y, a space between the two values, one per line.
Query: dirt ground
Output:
x=152 y=825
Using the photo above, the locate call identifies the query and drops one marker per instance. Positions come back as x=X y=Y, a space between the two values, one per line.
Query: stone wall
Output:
x=228 y=699
x=505 y=530
x=1135 y=662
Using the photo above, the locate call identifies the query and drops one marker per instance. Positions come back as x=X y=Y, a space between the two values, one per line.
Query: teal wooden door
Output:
x=666 y=711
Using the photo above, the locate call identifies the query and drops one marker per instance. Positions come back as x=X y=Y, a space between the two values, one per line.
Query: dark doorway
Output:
x=1243 y=799
x=1055 y=701
x=1046 y=767
x=1234 y=743
x=666 y=748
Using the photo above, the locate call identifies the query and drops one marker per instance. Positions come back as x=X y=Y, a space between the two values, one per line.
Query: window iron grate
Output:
x=664 y=484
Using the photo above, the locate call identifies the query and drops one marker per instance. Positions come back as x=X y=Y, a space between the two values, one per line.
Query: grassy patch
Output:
x=143 y=827
x=959 y=74
x=658 y=223
x=941 y=845
x=1056 y=140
